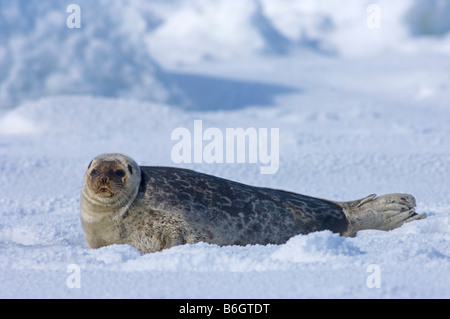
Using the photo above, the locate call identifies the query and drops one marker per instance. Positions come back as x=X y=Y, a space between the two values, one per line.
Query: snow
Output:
x=359 y=111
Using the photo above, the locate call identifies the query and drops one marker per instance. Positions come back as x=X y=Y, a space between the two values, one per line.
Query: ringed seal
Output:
x=153 y=208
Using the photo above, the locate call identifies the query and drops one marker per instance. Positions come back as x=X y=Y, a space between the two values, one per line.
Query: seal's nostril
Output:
x=104 y=179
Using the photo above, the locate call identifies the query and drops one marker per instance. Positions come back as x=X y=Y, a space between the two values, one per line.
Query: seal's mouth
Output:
x=104 y=192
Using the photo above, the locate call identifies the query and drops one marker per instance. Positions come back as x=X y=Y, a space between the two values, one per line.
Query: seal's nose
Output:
x=104 y=180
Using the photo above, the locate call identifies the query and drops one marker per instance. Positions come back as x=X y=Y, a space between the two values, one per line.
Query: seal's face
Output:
x=111 y=179
x=107 y=178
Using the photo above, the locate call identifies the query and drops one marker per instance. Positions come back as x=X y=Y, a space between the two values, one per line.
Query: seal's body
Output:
x=153 y=208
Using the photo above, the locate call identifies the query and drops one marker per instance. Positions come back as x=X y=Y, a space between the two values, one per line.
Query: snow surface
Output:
x=359 y=110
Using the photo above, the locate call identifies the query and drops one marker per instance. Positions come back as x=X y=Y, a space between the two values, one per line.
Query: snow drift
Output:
x=120 y=46
x=359 y=110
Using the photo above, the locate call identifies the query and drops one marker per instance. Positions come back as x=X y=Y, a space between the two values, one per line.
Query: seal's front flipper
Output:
x=382 y=213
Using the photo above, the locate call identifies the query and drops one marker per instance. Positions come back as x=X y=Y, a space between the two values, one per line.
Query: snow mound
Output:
x=15 y=124
x=119 y=47
x=315 y=247
x=41 y=56
x=193 y=31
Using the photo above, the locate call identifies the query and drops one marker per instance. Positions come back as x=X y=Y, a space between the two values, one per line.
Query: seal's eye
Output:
x=95 y=172
x=120 y=173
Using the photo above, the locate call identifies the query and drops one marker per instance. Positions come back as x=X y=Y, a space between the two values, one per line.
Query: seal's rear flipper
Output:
x=382 y=213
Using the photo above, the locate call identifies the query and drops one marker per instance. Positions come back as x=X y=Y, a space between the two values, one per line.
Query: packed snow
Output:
x=361 y=106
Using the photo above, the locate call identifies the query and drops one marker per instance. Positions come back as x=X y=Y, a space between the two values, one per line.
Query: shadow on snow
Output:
x=207 y=93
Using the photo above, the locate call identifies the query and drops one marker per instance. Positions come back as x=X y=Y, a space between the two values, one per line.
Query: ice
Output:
x=360 y=110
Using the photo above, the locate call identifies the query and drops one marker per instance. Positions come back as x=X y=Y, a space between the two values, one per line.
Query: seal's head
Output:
x=111 y=180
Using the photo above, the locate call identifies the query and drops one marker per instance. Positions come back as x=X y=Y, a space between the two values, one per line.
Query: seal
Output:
x=154 y=208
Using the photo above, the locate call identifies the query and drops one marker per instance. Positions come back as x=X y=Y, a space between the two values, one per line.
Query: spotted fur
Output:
x=154 y=208
x=199 y=207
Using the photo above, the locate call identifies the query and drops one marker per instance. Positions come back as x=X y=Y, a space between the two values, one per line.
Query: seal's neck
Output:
x=101 y=224
x=97 y=208
x=101 y=218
